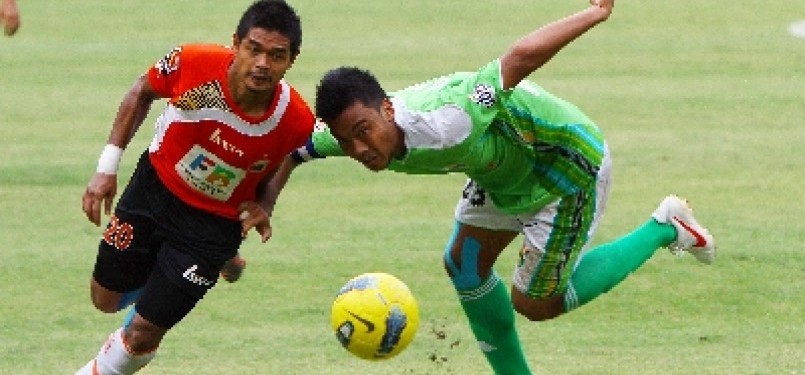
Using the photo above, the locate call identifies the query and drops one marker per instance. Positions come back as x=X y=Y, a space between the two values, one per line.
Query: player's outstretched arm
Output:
x=131 y=113
x=258 y=214
x=535 y=49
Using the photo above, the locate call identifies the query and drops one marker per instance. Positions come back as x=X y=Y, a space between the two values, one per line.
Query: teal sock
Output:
x=606 y=265
x=128 y=298
x=129 y=317
x=491 y=317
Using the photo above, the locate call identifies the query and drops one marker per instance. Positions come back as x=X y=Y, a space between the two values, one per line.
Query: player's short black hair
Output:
x=272 y=15
x=341 y=87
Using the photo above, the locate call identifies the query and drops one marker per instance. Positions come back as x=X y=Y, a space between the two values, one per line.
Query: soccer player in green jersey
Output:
x=537 y=165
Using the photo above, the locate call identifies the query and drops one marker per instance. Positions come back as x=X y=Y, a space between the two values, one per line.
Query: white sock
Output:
x=115 y=358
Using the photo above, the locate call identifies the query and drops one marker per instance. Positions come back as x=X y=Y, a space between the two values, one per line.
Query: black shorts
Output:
x=157 y=242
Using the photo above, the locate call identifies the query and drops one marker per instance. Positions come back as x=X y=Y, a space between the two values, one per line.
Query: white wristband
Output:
x=109 y=160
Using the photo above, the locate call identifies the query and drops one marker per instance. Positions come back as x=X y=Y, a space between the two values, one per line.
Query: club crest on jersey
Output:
x=209 y=174
x=474 y=194
x=259 y=166
x=169 y=63
x=484 y=95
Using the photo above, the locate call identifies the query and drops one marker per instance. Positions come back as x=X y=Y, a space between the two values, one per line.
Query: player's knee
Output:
x=447 y=264
x=142 y=336
x=536 y=315
x=461 y=262
x=537 y=310
x=105 y=304
x=103 y=299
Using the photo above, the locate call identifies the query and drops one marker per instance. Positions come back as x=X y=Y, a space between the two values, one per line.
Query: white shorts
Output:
x=537 y=274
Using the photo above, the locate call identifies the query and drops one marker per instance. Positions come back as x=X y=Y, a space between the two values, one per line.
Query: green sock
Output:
x=606 y=265
x=491 y=318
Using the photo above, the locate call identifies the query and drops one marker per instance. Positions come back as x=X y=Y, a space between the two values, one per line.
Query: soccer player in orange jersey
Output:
x=197 y=190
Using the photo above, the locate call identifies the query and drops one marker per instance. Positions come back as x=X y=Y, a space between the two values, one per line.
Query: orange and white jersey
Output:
x=207 y=151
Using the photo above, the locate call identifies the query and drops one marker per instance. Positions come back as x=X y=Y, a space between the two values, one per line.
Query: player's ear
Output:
x=388 y=110
x=235 y=41
x=293 y=58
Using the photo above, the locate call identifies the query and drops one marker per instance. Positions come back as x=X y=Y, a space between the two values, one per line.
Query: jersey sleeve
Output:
x=479 y=94
x=485 y=96
x=321 y=144
x=164 y=74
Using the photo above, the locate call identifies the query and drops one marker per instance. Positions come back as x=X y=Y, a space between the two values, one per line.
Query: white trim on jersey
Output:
x=173 y=114
x=442 y=128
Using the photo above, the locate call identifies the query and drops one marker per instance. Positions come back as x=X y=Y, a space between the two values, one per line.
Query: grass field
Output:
x=705 y=99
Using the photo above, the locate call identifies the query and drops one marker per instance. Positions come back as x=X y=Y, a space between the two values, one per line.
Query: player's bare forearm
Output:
x=102 y=187
x=132 y=112
x=258 y=214
x=536 y=48
x=277 y=182
x=264 y=197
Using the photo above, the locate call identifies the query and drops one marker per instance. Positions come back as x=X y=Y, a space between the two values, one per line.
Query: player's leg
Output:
x=601 y=268
x=130 y=348
x=469 y=257
x=553 y=239
x=598 y=270
x=182 y=271
x=123 y=266
x=672 y=225
x=175 y=285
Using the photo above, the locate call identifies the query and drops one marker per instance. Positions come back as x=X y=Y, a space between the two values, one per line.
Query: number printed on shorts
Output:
x=118 y=234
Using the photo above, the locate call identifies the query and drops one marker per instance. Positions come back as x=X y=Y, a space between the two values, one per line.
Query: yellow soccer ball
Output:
x=375 y=316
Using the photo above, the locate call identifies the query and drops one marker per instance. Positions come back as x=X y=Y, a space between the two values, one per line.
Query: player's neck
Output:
x=252 y=103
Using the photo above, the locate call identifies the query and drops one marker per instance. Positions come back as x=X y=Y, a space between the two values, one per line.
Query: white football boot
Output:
x=691 y=237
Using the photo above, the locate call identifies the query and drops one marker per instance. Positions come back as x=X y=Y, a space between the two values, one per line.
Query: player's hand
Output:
x=100 y=192
x=252 y=215
x=605 y=5
x=9 y=17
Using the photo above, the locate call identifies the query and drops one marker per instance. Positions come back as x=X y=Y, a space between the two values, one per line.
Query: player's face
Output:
x=369 y=135
x=261 y=59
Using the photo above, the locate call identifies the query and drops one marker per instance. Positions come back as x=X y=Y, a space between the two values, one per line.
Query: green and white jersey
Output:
x=524 y=146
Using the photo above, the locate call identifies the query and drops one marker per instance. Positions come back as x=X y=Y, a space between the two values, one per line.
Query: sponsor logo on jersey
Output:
x=215 y=137
x=209 y=174
x=191 y=275
x=169 y=63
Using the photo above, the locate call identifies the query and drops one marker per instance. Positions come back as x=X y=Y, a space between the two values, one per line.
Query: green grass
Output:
x=703 y=99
